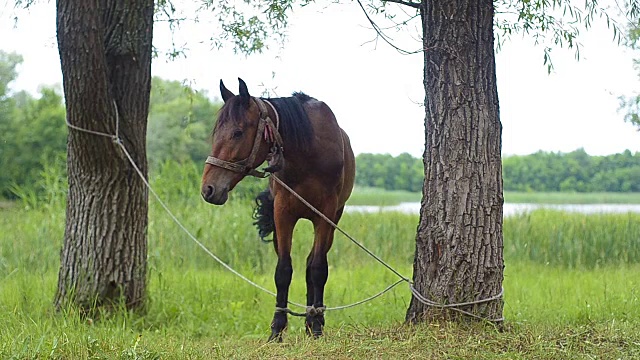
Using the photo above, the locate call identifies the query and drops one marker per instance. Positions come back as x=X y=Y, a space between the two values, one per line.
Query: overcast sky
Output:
x=375 y=92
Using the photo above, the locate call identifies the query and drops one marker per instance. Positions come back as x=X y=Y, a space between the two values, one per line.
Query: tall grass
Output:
x=544 y=236
x=571 y=287
x=573 y=240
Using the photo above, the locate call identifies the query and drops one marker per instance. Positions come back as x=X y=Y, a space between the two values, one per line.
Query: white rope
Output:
x=335 y=226
x=369 y=298
x=418 y=296
x=421 y=298
x=415 y=293
x=175 y=219
x=191 y=236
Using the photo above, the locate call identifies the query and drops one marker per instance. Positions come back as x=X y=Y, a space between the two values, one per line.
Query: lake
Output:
x=511 y=209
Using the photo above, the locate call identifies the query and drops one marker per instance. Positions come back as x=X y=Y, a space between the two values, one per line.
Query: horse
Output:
x=305 y=149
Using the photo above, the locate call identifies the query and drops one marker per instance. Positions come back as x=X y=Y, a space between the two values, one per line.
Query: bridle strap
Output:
x=273 y=129
x=265 y=126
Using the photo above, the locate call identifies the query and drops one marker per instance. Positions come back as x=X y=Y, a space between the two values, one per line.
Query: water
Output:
x=511 y=209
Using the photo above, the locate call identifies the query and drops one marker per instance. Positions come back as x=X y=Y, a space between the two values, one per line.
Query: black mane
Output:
x=295 y=127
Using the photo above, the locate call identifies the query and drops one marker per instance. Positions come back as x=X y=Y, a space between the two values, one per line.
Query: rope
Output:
x=415 y=292
x=369 y=298
x=116 y=139
x=335 y=226
x=454 y=307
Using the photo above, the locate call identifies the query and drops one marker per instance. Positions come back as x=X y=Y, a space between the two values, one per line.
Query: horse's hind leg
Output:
x=309 y=321
x=282 y=277
x=317 y=274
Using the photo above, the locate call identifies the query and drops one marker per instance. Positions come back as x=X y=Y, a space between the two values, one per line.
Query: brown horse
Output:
x=306 y=149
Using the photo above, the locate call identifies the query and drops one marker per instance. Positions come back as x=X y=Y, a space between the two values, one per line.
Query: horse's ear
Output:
x=226 y=94
x=244 y=92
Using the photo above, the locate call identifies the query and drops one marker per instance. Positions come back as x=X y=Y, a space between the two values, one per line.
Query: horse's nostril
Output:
x=207 y=191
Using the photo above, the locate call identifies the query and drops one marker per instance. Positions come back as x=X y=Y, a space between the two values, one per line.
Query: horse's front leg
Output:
x=283 y=274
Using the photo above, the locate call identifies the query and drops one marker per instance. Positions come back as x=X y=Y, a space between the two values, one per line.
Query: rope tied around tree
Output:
x=309 y=310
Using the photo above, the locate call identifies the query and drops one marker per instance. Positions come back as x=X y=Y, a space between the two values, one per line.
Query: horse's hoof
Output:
x=278 y=325
x=275 y=337
x=315 y=333
x=314 y=325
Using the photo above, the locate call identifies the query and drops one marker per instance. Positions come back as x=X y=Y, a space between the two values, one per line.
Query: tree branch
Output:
x=380 y=33
x=405 y=3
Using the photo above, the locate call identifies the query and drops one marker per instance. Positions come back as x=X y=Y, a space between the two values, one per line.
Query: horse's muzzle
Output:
x=214 y=195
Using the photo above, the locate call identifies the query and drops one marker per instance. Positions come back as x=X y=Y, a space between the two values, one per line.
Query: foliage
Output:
x=180 y=123
x=34 y=132
x=180 y=182
x=631 y=104
x=8 y=72
x=574 y=171
x=403 y=172
x=34 y=135
x=550 y=23
x=557 y=23
x=248 y=26
x=543 y=171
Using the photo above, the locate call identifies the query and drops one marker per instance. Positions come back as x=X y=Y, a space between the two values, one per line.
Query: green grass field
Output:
x=572 y=291
x=550 y=313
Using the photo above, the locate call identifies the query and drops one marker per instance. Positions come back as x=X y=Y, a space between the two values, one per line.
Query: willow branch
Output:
x=405 y=3
x=381 y=34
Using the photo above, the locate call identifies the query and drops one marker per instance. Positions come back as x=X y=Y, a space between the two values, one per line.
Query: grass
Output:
x=572 y=290
x=551 y=313
x=573 y=240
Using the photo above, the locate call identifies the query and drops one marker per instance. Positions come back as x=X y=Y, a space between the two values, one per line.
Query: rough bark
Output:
x=105 y=52
x=459 y=241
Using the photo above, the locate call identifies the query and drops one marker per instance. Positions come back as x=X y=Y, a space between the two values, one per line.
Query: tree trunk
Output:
x=105 y=53
x=459 y=241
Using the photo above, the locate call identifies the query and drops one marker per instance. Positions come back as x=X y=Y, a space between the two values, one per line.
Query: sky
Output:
x=375 y=92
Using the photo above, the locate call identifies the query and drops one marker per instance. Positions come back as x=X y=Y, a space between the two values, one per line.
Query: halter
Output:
x=271 y=135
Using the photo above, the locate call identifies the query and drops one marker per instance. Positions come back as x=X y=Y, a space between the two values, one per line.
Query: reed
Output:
x=573 y=240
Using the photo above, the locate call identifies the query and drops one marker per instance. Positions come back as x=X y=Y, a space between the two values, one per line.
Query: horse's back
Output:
x=333 y=147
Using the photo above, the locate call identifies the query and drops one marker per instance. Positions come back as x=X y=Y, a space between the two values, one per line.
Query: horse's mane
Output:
x=295 y=127
x=231 y=110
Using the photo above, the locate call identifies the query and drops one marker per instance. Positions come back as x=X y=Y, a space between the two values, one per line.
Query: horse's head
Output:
x=237 y=147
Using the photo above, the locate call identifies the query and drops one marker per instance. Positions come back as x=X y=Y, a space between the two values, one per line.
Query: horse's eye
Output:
x=237 y=134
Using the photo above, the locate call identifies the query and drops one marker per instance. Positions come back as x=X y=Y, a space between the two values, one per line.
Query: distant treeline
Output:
x=574 y=171
x=542 y=171
x=33 y=133
x=33 y=138
x=402 y=172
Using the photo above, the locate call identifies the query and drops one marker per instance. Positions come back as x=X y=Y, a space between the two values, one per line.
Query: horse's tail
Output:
x=263 y=215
